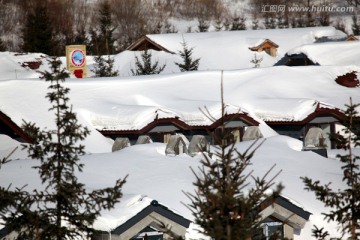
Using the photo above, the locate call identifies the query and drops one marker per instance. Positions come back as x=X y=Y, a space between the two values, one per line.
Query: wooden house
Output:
x=157 y=221
x=336 y=39
x=146 y=43
x=293 y=60
x=352 y=38
x=160 y=129
x=150 y=221
x=281 y=215
x=232 y=49
x=267 y=46
x=336 y=53
x=323 y=116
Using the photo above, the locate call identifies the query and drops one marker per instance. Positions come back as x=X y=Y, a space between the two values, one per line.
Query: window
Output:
x=273 y=229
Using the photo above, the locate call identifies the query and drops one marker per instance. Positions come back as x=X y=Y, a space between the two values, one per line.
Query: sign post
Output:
x=76 y=60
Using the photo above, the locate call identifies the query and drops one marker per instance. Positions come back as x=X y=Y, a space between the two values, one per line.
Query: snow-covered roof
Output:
x=281 y=94
x=129 y=206
x=10 y=67
x=301 y=109
x=226 y=50
x=331 y=53
x=260 y=43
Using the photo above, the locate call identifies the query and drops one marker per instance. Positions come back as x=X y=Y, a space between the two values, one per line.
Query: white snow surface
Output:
x=152 y=175
x=273 y=93
x=225 y=50
x=331 y=53
x=269 y=93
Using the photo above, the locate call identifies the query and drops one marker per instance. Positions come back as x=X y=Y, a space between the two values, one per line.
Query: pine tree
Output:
x=146 y=67
x=270 y=23
x=2 y=46
x=345 y=203
x=355 y=25
x=37 y=33
x=226 y=24
x=203 y=25
x=15 y=204
x=353 y=2
x=80 y=37
x=64 y=209
x=238 y=23
x=324 y=19
x=102 y=41
x=221 y=206
x=255 y=24
x=104 y=67
x=280 y=21
x=169 y=28
x=242 y=23
x=219 y=25
x=188 y=63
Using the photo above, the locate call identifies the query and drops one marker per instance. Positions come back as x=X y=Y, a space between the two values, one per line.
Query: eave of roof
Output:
x=153 y=207
x=7 y=120
x=144 y=39
x=255 y=48
x=183 y=125
x=286 y=203
x=320 y=110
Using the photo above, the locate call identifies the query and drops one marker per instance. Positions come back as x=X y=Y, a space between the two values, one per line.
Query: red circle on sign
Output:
x=77 y=58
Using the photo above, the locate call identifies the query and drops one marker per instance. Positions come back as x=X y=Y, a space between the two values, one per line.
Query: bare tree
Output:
x=133 y=19
x=354 y=2
x=10 y=18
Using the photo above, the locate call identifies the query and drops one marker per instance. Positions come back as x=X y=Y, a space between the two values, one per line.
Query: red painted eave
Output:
x=182 y=125
x=8 y=122
x=145 y=39
x=319 y=111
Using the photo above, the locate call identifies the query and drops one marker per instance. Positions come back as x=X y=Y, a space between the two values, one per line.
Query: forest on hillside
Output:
x=110 y=26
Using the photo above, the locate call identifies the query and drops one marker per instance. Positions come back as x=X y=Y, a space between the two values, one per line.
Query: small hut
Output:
x=176 y=146
x=198 y=144
x=120 y=143
x=266 y=45
x=252 y=133
x=143 y=139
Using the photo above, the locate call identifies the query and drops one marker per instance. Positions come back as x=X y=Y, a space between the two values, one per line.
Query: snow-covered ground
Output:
x=163 y=178
x=129 y=102
x=331 y=53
